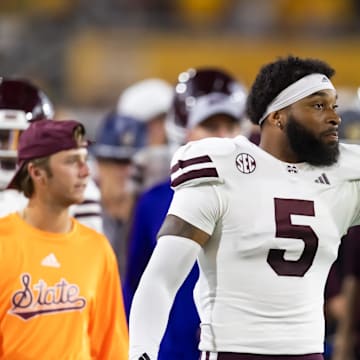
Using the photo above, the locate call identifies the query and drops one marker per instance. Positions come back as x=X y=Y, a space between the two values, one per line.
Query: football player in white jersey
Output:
x=264 y=223
x=22 y=102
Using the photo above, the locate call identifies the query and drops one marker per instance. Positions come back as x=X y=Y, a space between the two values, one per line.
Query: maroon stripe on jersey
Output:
x=195 y=174
x=181 y=164
x=238 y=356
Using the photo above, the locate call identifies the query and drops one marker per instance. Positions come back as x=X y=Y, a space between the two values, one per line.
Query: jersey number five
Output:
x=284 y=208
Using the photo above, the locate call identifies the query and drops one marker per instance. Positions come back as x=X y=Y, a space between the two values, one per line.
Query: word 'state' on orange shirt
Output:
x=60 y=295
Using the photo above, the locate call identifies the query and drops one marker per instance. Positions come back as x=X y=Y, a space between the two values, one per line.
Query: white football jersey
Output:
x=88 y=212
x=275 y=230
x=11 y=201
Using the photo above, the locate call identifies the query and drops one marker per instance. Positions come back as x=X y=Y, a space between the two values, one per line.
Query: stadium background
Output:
x=85 y=52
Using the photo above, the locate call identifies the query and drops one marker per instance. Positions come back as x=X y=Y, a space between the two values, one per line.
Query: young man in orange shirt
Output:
x=60 y=295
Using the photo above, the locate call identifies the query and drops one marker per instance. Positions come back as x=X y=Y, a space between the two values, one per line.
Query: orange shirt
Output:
x=60 y=295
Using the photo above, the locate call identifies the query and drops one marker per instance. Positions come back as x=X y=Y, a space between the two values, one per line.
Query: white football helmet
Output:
x=146 y=99
x=20 y=103
x=202 y=93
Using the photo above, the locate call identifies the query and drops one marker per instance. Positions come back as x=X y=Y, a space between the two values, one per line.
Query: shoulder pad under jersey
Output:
x=195 y=162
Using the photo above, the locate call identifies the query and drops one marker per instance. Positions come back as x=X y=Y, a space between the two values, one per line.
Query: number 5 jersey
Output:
x=275 y=230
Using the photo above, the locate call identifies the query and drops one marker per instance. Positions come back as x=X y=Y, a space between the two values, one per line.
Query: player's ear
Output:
x=35 y=172
x=277 y=119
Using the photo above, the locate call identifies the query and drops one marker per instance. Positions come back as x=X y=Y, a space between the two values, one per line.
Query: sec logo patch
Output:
x=245 y=163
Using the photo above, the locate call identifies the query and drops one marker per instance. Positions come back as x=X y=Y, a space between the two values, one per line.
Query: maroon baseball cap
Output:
x=44 y=138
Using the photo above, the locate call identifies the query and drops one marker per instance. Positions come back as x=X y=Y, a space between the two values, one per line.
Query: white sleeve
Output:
x=170 y=263
x=11 y=201
x=201 y=206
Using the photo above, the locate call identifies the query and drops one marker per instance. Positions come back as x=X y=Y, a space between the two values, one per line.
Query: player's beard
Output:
x=308 y=147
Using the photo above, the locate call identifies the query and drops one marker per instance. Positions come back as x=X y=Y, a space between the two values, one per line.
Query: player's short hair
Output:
x=25 y=182
x=275 y=77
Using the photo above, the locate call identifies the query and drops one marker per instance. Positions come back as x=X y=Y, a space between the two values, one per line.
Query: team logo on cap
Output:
x=127 y=138
x=245 y=163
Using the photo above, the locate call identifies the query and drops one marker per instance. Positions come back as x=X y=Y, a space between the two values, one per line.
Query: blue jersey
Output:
x=181 y=338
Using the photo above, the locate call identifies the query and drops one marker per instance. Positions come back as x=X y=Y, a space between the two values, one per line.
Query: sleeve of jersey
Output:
x=195 y=163
x=108 y=325
x=197 y=184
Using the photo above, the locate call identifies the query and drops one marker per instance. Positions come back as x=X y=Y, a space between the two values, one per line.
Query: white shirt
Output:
x=275 y=230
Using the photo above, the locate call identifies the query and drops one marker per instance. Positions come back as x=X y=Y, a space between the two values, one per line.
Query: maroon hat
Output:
x=44 y=138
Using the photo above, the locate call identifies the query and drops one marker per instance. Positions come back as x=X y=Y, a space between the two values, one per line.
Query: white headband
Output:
x=298 y=90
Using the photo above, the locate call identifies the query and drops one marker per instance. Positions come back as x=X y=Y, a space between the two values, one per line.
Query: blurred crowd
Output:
x=79 y=51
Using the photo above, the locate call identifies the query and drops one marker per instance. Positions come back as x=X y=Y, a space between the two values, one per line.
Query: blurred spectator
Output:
x=149 y=101
x=344 y=303
x=207 y=102
x=22 y=102
x=117 y=140
x=334 y=302
x=350 y=125
x=346 y=340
